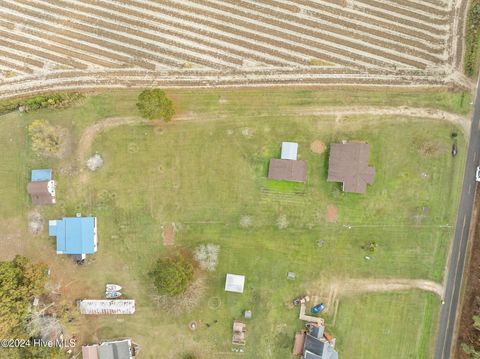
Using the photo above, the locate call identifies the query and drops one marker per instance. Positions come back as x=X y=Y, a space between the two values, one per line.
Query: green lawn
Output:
x=207 y=174
x=393 y=325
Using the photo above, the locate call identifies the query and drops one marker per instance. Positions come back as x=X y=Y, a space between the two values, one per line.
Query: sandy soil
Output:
x=317 y=147
x=169 y=234
x=331 y=214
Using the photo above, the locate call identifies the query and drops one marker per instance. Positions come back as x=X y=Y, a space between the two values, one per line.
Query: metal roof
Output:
x=41 y=175
x=107 y=306
x=114 y=350
x=234 y=283
x=75 y=235
x=289 y=151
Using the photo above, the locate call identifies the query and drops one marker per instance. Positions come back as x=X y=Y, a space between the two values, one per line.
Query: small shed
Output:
x=41 y=175
x=289 y=151
x=42 y=187
x=299 y=343
x=234 y=283
x=247 y=314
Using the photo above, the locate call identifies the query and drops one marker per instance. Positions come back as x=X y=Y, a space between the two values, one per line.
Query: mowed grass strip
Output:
x=387 y=325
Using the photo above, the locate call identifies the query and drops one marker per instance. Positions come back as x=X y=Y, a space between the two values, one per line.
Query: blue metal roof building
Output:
x=75 y=235
x=41 y=175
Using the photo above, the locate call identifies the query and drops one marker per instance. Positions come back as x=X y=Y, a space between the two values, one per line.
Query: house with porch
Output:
x=75 y=235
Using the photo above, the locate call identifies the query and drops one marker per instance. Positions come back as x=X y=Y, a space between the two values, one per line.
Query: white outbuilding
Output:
x=234 y=283
x=289 y=151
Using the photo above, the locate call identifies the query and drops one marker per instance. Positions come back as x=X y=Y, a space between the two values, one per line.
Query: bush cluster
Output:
x=172 y=275
x=38 y=102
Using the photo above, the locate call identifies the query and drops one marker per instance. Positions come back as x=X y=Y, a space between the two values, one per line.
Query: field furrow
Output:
x=302 y=43
x=169 y=56
x=428 y=18
x=30 y=47
x=8 y=54
x=300 y=34
x=272 y=38
x=337 y=16
x=425 y=7
x=162 y=27
x=334 y=27
x=386 y=13
x=151 y=38
x=6 y=63
x=389 y=22
x=53 y=45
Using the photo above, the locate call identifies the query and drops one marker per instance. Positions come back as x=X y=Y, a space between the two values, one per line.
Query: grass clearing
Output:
x=390 y=322
x=206 y=175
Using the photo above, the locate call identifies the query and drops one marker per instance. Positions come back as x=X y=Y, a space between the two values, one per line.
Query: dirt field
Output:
x=66 y=44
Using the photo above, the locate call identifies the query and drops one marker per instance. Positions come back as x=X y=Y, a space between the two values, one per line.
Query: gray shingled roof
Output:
x=318 y=349
x=114 y=350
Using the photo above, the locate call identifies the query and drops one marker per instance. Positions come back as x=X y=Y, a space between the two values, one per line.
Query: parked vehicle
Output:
x=454 y=150
x=318 y=308
x=477 y=174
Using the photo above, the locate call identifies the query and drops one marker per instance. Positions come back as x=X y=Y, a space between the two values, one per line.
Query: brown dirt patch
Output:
x=318 y=147
x=332 y=214
x=169 y=234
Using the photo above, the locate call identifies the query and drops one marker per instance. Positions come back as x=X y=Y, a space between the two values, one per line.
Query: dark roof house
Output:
x=314 y=343
x=348 y=164
x=42 y=187
x=316 y=348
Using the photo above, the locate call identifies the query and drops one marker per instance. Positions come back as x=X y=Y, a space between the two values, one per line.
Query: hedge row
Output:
x=61 y=100
x=472 y=39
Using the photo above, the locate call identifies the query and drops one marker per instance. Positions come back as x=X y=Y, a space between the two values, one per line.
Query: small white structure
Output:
x=289 y=151
x=234 y=283
x=116 y=306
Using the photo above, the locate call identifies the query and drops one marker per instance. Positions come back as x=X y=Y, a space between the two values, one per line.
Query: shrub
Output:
x=38 y=102
x=172 y=275
x=154 y=104
x=470 y=351
x=45 y=138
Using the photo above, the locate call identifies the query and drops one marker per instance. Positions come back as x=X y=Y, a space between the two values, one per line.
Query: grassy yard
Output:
x=208 y=173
